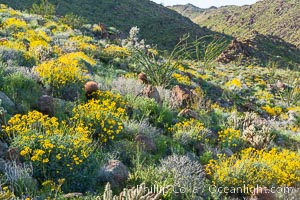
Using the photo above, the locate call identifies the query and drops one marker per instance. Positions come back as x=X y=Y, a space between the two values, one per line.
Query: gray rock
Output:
x=146 y=143
x=3 y=148
x=6 y=102
x=45 y=105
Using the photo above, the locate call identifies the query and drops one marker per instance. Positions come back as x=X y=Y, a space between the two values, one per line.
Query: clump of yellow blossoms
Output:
x=83 y=43
x=53 y=147
x=189 y=131
x=14 y=23
x=116 y=51
x=102 y=115
x=230 y=137
x=234 y=83
x=182 y=79
x=273 y=111
x=66 y=70
x=256 y=167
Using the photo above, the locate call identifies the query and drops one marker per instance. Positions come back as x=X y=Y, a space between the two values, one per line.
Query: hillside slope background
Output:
x=268 y=17
x=158 y=24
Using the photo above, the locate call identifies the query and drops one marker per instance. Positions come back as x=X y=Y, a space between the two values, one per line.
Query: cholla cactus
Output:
x=257 y=131
x=133 y=193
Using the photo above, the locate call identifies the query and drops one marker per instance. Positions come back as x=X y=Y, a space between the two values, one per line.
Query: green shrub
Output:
x=44 y=8
x=23 y=91
x=75 y=21
x=55 y=149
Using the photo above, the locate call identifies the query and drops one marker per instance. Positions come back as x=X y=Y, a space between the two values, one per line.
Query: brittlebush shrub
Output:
x=256 y=167
x=65 y=75
x=55 y=149
x=189 y=132
x=102 y=115
x=68 y=69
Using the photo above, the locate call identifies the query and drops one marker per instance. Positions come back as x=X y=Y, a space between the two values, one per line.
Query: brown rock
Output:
x=150 y=92
x=146 y=142
x=90 y=87
x=142 y=78
x=45 y=105
x=262 y=194
x=180 y=97
x=114 y=172
x=188 y=113
x=13 y=155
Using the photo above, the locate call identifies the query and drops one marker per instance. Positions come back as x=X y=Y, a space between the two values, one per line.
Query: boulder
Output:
x=188 y=113
x=115 y=172
x=146 y=143
x=89 y=88
x=3 y=148
x=45 y=105
x=6 y=102
x=180 y=97
x=142 y=78
x=151 y=92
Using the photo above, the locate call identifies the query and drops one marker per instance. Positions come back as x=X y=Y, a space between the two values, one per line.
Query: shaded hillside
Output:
x=269 y=17
x=158 y=24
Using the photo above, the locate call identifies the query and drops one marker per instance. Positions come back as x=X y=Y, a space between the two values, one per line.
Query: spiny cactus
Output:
x=257 y=131
x=133 y=193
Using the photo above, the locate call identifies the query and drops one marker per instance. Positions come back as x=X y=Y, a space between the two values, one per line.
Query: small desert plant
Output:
x=75 y=21
x=138 y=193
x=102 y=115
x=17 y=86
x=159 y=69
x=257 y=131
x=185 y=175
x=19 y=177
x=45 y=8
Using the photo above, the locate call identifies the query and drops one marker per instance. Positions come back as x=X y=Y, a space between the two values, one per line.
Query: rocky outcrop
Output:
x=181 y=97
x=151 y=92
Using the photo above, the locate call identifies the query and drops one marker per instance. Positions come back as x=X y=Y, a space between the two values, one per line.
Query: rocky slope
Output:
x=158 y=24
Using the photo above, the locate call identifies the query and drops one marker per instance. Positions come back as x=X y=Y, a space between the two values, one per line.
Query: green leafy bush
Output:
x=55 y=149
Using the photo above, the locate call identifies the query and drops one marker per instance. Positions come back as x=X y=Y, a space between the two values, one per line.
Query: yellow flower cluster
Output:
x=182 y=79
x=37 y=39
x=67 y=69
x=189 y=129
x=14 y=23
x=82 y=43
x=116 y=51
x=102 y=116
x=256 y=167
x=234 y=83
x=273 y=111
x=229 y=137
x=42 y=140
